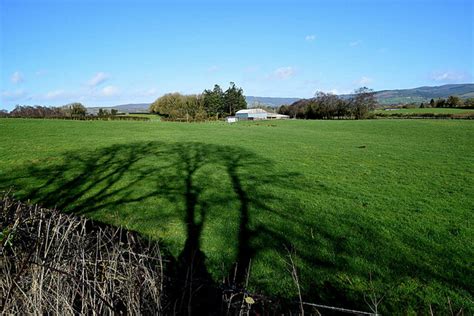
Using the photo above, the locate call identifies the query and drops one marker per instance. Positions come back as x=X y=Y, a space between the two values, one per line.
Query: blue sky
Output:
x=111 y=52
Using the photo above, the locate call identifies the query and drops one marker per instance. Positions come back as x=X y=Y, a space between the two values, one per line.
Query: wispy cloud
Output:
x=355 y=43
x=56 y=95
x=364 y=80
x=17 y=77
x=283 y=73
x=310 y=38
x=14 y=95
x=97 y=79
x=449 y=76
x=109 y=91
x=335 y=91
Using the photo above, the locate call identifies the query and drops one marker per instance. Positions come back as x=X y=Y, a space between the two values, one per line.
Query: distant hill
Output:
x=424 y=94
x=143 y=107
x=399 y=96
x=268 y=101
x=126 y=108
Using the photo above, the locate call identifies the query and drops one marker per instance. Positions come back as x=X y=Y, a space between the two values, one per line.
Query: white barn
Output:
x=231 y=119
x=275 y=116
x=251 y=114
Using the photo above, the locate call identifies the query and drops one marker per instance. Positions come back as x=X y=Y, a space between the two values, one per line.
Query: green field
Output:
x=386 y=200
x=428 y=110
x=152 y=117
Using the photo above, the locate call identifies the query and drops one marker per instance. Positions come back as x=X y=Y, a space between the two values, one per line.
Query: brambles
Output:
x=63 y=264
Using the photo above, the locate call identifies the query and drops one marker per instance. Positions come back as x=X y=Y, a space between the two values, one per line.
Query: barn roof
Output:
x=250 y=111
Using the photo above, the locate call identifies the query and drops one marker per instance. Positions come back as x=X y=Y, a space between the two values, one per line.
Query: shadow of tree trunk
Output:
x=245 y=252
x=134 y=174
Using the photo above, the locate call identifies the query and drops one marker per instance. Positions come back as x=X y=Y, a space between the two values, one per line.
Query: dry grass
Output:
x=54 y=263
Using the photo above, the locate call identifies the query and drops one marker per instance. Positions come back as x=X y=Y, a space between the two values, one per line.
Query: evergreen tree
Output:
x=213 y=101
x=234 y=99
x=432 y=103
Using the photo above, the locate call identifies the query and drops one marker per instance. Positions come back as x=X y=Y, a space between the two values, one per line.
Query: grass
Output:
x=152 y=117
x=428 y=110
x=379 y=206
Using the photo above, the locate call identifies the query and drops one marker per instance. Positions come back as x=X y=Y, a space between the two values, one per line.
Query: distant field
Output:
x=152 y=117
x=428 y=110
x=387 y=200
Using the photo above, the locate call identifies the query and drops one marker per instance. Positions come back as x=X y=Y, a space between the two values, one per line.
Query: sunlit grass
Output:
x=390 y=199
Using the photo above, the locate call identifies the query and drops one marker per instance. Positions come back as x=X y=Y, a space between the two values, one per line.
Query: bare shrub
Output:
x=55 y=263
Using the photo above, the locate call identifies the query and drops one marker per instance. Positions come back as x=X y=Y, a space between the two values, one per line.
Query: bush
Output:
x=53 y=263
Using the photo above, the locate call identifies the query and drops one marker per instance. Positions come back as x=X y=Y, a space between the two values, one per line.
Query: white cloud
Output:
x=14 y=95
x=56 y=94
x=355 y=43
x=310 y=38
x=109 y=91
x=97 y=79
x=362 y=81
x=337 y=91
x=17 y=77
x=283 y=73
x=449 y=76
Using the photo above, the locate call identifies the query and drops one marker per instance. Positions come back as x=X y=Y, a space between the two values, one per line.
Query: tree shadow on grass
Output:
x=236 y=203
x=195 y=180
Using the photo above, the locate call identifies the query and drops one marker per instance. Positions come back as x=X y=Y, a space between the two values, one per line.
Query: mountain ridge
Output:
x=384 y=97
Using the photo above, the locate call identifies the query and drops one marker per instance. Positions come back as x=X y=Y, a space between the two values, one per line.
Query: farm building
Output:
x=251 y=114
x=275 y=116
x=231 y=119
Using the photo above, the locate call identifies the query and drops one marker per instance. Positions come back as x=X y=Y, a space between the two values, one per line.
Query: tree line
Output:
x=26 y=111
x=452 y=101
x=71 y=110
x=330 y=106
x=210 y=104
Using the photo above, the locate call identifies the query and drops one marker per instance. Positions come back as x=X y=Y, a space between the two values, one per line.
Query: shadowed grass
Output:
x=390 y=199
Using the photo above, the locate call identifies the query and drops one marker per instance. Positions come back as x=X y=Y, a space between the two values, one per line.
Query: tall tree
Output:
x=234 y=99
x=469 y=103
x=168 y=104
x=432 y=103
x=440 y=103
x=213 y=101
x=176 y=106
x=75 y=109
x=453 y=101
x=363 y=102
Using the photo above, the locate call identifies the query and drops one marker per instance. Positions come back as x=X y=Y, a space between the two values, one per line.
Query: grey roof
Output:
x=251 y=111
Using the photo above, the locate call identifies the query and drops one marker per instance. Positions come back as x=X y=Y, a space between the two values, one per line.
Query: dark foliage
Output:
x=211 y=104
x=329 y=106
